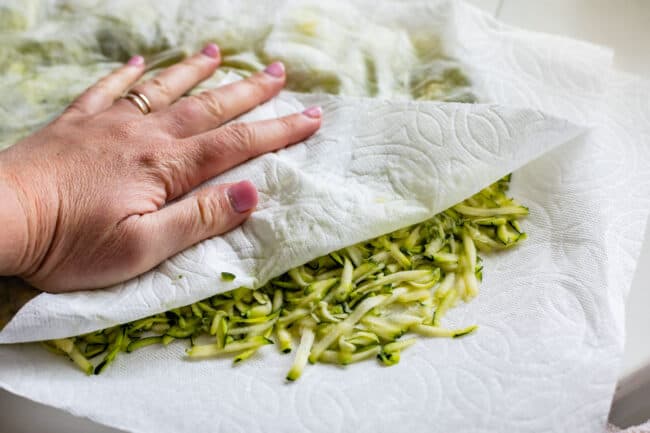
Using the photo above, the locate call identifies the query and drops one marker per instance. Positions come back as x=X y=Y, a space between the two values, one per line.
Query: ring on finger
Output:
x=139 y=100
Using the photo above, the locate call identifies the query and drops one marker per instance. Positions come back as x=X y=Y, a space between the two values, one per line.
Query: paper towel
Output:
x=374 y=167
x=550 y=314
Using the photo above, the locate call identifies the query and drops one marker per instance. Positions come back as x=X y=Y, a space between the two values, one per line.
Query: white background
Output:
x=622 y=25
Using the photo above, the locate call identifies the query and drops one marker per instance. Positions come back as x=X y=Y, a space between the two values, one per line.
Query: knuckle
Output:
x=211 y=210
x=183 y=112
x=210 y=103
x=195 y=67
x=163 y=167
x=102 y=86
x=161 y=87
x=287 y=125
x=259 y=85
x=188 y=108
x=242 y=137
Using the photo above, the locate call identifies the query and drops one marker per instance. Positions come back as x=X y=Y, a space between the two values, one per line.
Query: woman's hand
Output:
x=82 y=200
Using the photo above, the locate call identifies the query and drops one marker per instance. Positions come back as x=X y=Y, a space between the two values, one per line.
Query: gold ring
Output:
x=139 y=100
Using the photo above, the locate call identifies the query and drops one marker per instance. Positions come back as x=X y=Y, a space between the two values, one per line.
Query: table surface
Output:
x=622 y=25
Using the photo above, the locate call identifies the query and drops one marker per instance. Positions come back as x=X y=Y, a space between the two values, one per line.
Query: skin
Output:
x=83 y=200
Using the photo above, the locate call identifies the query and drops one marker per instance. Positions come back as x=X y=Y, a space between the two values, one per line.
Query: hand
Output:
x=83 y=200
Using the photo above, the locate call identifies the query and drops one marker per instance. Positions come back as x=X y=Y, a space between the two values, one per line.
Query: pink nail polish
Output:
x=211 y=50
x=243 y=196
x=313 y=112
x=136 y=61
x=275 y=69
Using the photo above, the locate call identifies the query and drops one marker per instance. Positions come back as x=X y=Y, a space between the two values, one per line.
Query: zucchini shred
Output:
x=347 y=306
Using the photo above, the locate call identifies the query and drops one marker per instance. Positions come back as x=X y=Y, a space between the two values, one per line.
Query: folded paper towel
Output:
x=374 y=167
x=546 y=355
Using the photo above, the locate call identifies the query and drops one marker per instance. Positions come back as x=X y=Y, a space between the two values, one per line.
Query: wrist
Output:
x=13 y=230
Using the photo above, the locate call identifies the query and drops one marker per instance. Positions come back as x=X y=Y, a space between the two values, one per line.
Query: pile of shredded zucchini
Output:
x=350 y=305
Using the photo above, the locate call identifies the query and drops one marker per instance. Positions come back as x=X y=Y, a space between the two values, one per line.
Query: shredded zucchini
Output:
x=227 y=276
x=344 y=307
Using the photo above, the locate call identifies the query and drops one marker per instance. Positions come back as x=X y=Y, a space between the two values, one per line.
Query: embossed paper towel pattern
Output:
x=374 y=167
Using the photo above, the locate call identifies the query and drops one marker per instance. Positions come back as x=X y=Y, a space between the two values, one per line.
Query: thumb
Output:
x=209 y=212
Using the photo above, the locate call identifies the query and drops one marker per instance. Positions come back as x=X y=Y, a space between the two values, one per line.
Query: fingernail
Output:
x=313 y=112
x=243 y=196
x=211 y=50
x=136 y=61
x=275 y=69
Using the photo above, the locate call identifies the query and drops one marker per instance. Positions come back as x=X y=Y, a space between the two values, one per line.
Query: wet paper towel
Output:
x=550 y=312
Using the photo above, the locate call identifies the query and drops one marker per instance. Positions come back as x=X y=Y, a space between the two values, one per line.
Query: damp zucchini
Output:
x=345 y=307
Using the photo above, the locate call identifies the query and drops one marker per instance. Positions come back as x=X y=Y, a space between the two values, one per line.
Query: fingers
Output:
x=175 y=81
x=216 y=151
x=210 y=212
x=103 y=94
x=212 y=108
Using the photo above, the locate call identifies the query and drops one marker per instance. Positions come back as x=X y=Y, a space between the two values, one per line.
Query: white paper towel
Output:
x=546 y=355
x=374 y=167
